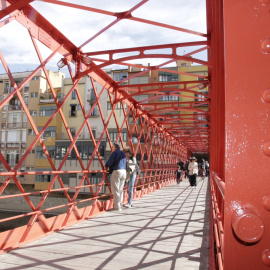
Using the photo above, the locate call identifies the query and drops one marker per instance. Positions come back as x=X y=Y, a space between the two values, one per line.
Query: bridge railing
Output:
x=217 y=188
x=56 y=182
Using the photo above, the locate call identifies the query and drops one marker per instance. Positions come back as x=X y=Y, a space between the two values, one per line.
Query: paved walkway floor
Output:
x=167 y=229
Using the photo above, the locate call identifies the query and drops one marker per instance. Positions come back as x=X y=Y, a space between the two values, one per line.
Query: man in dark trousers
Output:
x=117 y=167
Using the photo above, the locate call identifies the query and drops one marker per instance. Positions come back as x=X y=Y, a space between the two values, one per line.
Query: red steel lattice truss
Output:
x=165 y=131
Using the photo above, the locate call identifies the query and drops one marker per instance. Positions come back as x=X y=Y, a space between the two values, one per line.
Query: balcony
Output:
x=14 y=107
x=16 y=125
x=13 y=144
x=48 y=98
x=91 y=97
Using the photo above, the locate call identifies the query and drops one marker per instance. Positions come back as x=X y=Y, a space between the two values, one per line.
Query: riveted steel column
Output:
x=247 y=128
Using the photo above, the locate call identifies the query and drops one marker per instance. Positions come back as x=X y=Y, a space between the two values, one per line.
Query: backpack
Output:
x=137 y=168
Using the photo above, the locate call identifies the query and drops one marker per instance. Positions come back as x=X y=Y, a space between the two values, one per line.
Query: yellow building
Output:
x=17 y=131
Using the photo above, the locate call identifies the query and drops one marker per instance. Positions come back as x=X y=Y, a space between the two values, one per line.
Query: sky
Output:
x=79 y=25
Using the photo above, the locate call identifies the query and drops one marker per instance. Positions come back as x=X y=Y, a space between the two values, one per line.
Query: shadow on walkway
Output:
x=167 y=229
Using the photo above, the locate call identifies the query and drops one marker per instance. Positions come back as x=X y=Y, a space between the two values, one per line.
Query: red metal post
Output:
x=247 y=122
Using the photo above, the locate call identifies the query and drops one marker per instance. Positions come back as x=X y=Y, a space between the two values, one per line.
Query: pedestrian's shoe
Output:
x=128 y=205
x=195 y=186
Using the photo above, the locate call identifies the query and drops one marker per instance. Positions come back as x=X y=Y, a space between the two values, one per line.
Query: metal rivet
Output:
x=266 y=148
x=264 y=2
x=266 y=96
x=266 y=257
x=247 y=225
x=266 y=202
x=265 y=45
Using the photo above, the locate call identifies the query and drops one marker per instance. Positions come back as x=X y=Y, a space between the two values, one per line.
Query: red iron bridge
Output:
x=168 y=79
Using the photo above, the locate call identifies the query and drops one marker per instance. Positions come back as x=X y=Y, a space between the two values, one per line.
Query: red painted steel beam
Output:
x=247 y=122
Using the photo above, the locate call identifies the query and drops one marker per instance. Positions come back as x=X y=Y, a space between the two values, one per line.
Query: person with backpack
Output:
x=117 y=167
x=131 y=174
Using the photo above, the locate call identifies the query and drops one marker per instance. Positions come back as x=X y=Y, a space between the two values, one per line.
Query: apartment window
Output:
x=134 y=139
x=30 y=168
x=124 y=136
x=15 y=118
x=34 y=95
x=43 y=177
x=41 y=155
x=33 y=113
x=95 y=111
x=72 y=112
x=79 y=107
x=73 y=94
x=109 y=106
x=47 y=110
x=168 y=98
x=49 y=133
x=6 y=84
x=4 y=118
x=131 y=120
x=201 y=98
x=73 y=132
x=26 y=99
x=35 y=78
x=12 y=157
x=116 y=76
x=65 y=178
x=113 y=136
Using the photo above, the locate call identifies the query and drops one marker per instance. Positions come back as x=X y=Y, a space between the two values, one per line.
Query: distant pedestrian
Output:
x=206 y=168
x=203 y=171
x=181 y=164
x=131 y=175
x=186 y=169
x=193 y=172
x=117 y=167
x=178 y=175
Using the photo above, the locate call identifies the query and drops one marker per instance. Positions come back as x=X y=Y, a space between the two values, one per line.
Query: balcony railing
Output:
x=16 y=125
x=91 y=97
x=48 y=98
x=13 y=145
x=14 y=107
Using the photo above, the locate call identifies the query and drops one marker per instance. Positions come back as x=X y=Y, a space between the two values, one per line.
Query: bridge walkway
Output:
x=166 y=229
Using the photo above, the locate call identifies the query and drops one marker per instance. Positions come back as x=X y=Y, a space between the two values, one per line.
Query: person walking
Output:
x=203 y=166
x=180 y=163
x=178 y=175
x=117 y=167
x=131 y=175
x=193 y=172
x=186 y=169
x=207 y=168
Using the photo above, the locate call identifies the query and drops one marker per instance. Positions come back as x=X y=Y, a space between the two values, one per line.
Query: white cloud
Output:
x=79 y=25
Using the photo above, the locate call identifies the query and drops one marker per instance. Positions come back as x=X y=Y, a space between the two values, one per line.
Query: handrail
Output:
x=217 y=188
x=220 y=184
